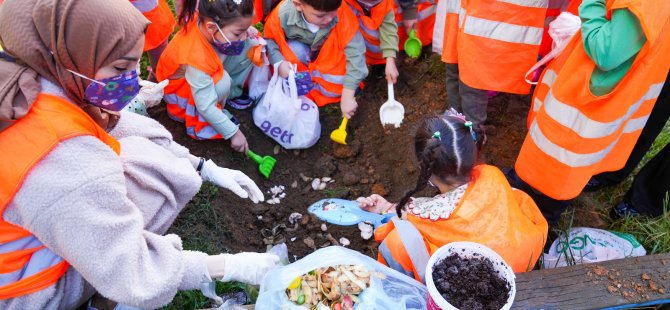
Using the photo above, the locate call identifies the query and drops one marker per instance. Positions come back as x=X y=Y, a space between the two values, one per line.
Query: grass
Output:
x=653 y=233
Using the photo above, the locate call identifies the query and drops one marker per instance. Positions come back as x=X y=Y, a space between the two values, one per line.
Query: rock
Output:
x=276 y=149
x=324 y=227
x=379 y=189
x=294 y=184
x=347 y=151
x=309 y=242
x=326 y=179
x=259 y=208
x=332 y=240
x=294 y=217
x=322 y=186
x=350 y=179
x=344 y=241
x=325 y=166
x=304 y=220
x=316 y=183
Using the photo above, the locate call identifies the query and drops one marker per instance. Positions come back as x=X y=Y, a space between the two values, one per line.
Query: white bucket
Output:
x=466 y=249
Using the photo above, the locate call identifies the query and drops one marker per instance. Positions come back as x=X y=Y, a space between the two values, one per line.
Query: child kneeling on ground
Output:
x=476 y=203
x=322 y=38
x=215 y=34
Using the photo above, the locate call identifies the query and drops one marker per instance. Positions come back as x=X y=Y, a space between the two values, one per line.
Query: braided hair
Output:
x=444 y=147
x=222 y=12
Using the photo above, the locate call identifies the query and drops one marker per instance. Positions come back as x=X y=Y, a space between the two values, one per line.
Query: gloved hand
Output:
x=234 y=180
x=244 y=267
x=151 y=93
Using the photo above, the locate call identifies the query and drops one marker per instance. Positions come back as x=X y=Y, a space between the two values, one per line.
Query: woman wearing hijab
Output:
x=87 y=193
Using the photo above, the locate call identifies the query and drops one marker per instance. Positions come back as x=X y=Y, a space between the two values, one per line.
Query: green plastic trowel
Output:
x=413 y=45
x=265 y=163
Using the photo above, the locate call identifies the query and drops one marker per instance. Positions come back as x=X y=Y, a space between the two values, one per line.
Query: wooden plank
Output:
x=609 y=285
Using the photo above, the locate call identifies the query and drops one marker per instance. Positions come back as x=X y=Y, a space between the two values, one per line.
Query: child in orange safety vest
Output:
x=321 y=37
x=476 y=203
x=207 y=63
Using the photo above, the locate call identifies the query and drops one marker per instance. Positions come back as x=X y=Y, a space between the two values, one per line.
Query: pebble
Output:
x=326 y=179
x=294 y=217
x=309 y=242
x=322 y=186
x=294 y=184
x=316 y=184
x=344 y=241
x=304 y=220
x=324 y=227
x=293 y=239
x=276 y=149
x=366 y=230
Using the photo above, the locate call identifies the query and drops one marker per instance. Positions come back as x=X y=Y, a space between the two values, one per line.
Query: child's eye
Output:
x=120 y=69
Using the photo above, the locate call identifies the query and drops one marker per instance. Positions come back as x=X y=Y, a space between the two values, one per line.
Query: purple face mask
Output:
x=228 y=48
x=113 y=93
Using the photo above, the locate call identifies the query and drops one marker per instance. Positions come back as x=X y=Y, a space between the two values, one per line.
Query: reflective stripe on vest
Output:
x=413 y=243
x=581 y=124
x=502 y=31
x=391 y=262
x=206 y=132
x=542 y=4
x=330 y=78
x=38 y=261
x=453 y=6
x=145 y=6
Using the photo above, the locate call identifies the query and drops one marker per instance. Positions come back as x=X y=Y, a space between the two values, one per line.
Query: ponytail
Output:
x=188 y=10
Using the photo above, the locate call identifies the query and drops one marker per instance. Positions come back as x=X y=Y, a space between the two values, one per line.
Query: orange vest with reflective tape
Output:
x=330 y=67
x=490 y=213
x=369 y=26
x=162 y=21
x=498 y=41
x=574 y=134
x=50 y=121
x=425 y=22
x=189 y=47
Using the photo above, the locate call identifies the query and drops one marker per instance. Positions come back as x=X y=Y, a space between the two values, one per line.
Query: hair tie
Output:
x=472 y=132
x=437 y=135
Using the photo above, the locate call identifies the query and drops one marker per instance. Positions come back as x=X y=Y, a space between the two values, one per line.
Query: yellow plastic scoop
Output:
x=391 y=112
x=339 y=135
x=413 y=45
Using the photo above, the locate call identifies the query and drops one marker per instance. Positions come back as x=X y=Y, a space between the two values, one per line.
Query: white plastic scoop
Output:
x=391 y=112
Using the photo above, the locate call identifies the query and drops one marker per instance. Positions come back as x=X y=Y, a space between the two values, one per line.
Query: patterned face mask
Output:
x=113 y=93
x=228 y=48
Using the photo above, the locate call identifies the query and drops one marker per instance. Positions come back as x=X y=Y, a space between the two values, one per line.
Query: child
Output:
x=475 y=204
x=211 y=39
x=330 y=49
x=380 y=31
x=162 y=25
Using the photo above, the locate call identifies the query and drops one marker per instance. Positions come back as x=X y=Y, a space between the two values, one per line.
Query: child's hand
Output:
x=284 y=69
x=375 y=204
x=348 y=103
x=409 y=25
x=238 y=142
x=391 y=70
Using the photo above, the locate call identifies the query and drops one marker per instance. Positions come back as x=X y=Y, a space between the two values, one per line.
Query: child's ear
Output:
x=298 y=5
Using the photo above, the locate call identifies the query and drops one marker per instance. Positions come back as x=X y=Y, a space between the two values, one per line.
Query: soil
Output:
x=470 y=283
x=376 y=160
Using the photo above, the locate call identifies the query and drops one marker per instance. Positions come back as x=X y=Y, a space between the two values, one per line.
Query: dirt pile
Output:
x=633 y=289
x=470 y=283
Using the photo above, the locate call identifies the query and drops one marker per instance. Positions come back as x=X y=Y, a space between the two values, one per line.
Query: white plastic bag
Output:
x=259 y=78
x=290 y=120
x=561 y=31
x=439 y=28
x=590 y=245
x=397 y=291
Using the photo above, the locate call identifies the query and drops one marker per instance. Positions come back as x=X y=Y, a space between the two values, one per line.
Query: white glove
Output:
x=151 y=93
x=244 y=267
x=234 y=180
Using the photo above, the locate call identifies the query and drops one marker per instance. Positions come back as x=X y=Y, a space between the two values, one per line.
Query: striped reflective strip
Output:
x=371 y=32
x=205 y=133
x=39 y=261
x=145 y=6
x=331 y=78
x=453 y=6
x=391 y=262
x=176 y=100
x=24 y=243
x=461 y=17
x=325 y=92
x=635 y=124
x=548 y=79
x=586 y=127
x=425 y=13
x=372 y=48
x=542 y=4
x=502 y=31
x=413 y=242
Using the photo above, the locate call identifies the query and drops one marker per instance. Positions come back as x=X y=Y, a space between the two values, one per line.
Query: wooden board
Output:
x=616 y=284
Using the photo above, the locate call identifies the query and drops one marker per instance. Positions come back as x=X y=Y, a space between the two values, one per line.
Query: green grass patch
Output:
x=653 y=233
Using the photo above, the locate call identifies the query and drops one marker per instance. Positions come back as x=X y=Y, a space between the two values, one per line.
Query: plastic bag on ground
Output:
x=397 y=291
x=590 y=245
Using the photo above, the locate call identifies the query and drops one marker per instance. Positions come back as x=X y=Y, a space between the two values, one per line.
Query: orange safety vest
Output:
x=574 y=134
x=330 y=67
x=424 y=25
x=258 y=11
x=189 y=47
x=26 y=265
x=451 y=27
x=162 y=21
x=498 y=41
x=490 y=213
x=555 y=8
x=369 y=26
